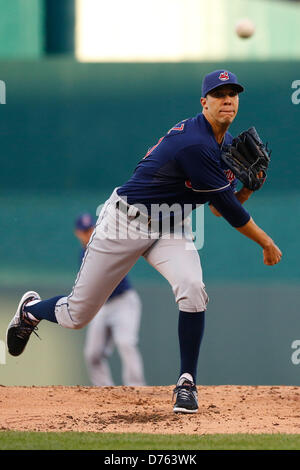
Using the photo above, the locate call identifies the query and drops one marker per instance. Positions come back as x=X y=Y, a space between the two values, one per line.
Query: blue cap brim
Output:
x=239 y=87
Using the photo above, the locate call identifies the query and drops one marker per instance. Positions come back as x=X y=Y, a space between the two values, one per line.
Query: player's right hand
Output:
x=272 y=254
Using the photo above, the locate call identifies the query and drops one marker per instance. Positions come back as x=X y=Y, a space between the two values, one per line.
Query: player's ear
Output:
x=203 y=101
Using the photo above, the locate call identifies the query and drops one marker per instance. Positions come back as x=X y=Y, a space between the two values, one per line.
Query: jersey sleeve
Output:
x=233 y=185
x=204 y=173
x=230 y=208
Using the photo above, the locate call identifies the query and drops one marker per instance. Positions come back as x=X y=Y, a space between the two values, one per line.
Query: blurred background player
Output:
x=116 y=324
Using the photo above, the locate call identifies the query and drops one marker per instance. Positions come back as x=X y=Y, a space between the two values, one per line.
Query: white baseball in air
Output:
x=245 y=28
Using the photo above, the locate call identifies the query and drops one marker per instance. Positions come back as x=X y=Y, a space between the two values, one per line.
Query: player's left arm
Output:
x=244 y=193
x=242 y=196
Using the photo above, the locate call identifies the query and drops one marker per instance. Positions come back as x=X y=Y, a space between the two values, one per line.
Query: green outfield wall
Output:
x=69 y=134
x=72 y=132
x=84 y=126
x=21 y=29
x=251 y=337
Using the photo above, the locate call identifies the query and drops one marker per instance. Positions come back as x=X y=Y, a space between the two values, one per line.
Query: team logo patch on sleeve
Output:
x=229 y=175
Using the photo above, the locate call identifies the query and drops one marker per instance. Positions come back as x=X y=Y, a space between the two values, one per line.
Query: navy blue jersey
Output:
x=124 y=285
x=185 y=167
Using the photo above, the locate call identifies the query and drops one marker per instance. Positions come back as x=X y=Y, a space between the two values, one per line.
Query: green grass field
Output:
x=12 y=440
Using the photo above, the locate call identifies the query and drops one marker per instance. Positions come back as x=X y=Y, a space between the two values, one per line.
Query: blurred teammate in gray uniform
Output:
x=116 y=324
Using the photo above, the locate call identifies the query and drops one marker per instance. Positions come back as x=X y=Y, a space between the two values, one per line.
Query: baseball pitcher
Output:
x=146 y=216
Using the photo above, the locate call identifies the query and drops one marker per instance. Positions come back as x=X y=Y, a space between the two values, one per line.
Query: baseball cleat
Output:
x=186 y=395
x=21 y=326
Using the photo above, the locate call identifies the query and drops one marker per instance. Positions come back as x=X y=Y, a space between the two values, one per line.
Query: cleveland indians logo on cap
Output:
x=224 y=76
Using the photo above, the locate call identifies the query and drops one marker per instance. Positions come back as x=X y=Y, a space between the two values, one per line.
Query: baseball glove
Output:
x=248 y=158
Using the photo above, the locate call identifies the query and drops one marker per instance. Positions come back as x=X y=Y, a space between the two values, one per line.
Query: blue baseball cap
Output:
x=85 y=222
x=219 y=78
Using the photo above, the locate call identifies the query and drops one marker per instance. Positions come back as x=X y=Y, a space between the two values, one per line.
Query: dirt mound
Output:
x=222 y=409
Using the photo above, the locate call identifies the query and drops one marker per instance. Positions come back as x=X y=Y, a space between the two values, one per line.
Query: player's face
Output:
x=84 y=236
x=221 y=105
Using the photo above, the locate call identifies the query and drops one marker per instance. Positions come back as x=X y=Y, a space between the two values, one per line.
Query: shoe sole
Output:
x=26 y=296
x=184 y=410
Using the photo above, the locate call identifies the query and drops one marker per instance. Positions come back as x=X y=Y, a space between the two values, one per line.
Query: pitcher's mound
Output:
x=222 y=409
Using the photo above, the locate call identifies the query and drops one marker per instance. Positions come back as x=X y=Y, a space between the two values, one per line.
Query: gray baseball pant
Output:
x=110 y=255
x=115 y=325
